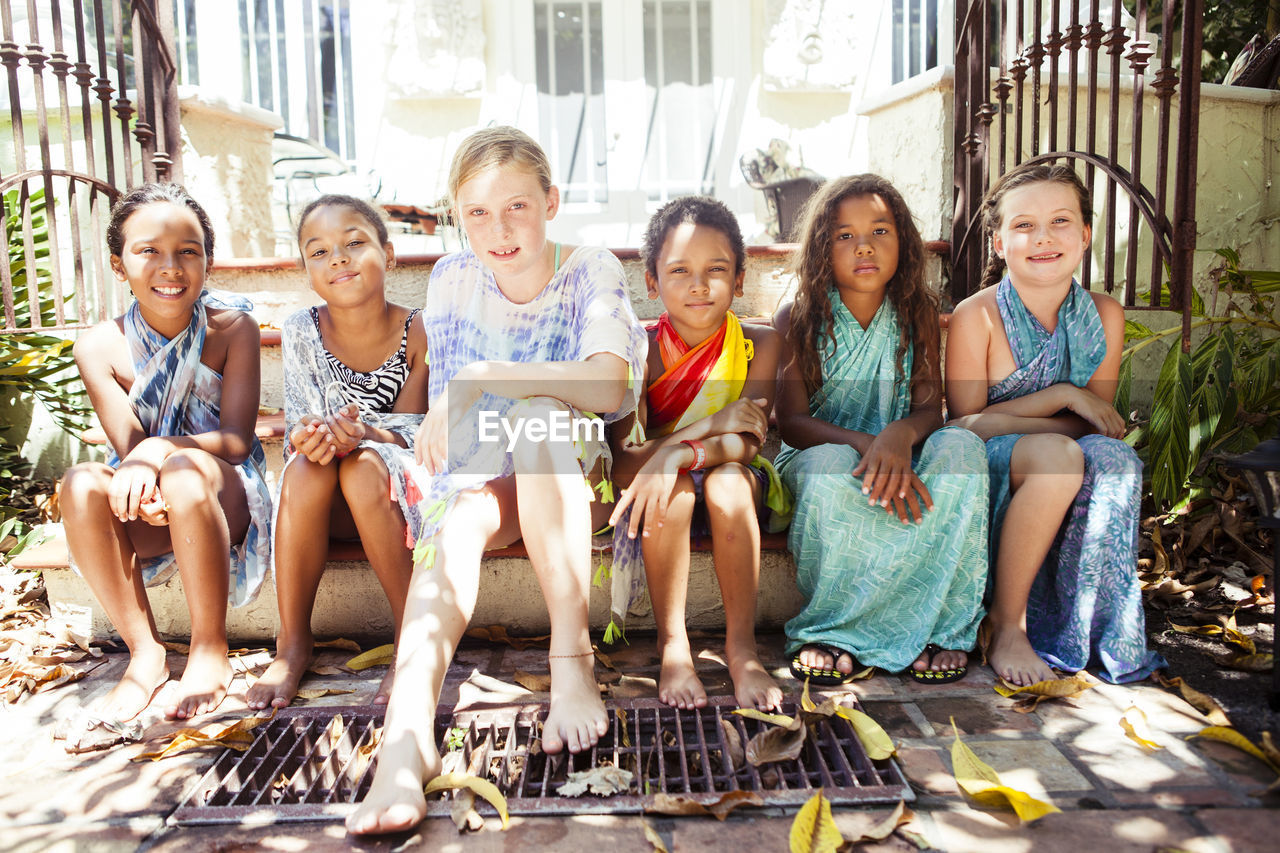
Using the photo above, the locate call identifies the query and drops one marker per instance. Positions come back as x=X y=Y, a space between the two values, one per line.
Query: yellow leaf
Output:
x=1054 y=688
x=772 y=719
x=1134 y=723
x=1204 y=630
x=380 y=656
x=982 y=783
x=340 y=643
x=1260 y=662
x=1232 y=737
x=651 y=835
x=1202 y=703
x=806 y=703
x=317 y=692
x=875 y=740
x=486 y=789
x=864 y=674
x=1269 y=747
x=235 y=736
x=814 y=830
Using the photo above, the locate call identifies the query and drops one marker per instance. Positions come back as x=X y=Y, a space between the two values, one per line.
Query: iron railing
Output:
x=94 y=85
x=1051 y=56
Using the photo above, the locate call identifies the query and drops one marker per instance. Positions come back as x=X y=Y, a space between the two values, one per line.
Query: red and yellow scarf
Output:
x=696 y=381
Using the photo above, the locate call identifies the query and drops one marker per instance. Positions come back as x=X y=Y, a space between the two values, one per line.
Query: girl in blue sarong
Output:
x=890 y=526
x=174 y=383
x=1032 y=368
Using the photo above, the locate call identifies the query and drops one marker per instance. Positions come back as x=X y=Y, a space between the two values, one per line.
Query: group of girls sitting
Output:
x=385 y=412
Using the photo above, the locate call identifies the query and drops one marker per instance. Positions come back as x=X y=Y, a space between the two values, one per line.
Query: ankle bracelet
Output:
x=578 y=655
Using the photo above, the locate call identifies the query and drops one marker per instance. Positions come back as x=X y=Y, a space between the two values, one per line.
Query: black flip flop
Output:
x=824 y=676
x=939 y=676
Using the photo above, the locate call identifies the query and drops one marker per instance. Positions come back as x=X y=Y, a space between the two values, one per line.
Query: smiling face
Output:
x=162 y=257
x=505 y=211
x=697 y=280
x=864 y=246
x=343 y=257
x=1042 y=234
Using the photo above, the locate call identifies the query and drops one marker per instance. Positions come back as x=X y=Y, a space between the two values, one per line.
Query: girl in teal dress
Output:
x=890 y=527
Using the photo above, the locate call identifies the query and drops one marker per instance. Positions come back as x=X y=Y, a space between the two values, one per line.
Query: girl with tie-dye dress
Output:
x=1032 y=368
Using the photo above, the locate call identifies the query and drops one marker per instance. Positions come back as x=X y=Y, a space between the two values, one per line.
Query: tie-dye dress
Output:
x=582 y=311
x=174 y=393
x=880 y=589
x=1085 y=605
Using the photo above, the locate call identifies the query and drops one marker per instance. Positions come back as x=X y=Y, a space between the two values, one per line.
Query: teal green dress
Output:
x=874 y=586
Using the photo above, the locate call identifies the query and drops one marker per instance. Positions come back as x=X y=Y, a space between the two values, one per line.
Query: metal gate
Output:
x=1054 y=56
x=90 y=100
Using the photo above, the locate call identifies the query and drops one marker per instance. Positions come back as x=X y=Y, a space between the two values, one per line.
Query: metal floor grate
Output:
x=316 y=763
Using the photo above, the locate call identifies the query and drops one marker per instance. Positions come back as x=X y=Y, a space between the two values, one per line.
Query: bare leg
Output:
x=104 y=552
x=1045 y=474
x=208 y=511
x=440 y=602
x=666 y=567
x=732 y=494
x=301 y=545
x=364 y=480
x=554 y=503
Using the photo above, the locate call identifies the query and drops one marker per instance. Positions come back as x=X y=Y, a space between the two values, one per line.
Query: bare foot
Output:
x=678 y=683
x=383 y=696
x=943 y=660
x=577 y=718
x=815 y=658
x=395 y=801
x=145 y=674
x=279 y=684
x=752 y=685
x=204 y=683
x=1011 y=656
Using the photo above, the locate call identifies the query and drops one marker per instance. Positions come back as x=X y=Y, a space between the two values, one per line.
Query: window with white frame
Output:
x=678 y=117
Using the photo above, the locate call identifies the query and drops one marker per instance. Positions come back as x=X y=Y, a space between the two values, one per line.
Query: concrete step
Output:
x=350 y=603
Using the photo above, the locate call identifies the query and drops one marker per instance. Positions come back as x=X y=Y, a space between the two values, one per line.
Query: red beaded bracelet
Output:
x=699 y=454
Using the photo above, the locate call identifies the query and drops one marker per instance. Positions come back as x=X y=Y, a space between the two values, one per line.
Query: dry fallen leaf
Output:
x=983 y=784
x=180 y=648
x=603 y=781
x=339 y=643
x=1231 y=737
x=534 y=683
x=674 y=804
x=814 y=830
x=1259 y=662
x=328 y=669
x=236 y=735
x=651 y=835
x=317 y=692
x=498 y=634
x=486 y=789
x=1202 y=703
x=882 y=830
x=734 y=754
x=875 y=740
x=778 y=743
x=379 y=656
x=1134 y=723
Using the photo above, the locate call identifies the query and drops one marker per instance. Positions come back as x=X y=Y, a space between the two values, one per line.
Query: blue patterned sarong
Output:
x=1085 y=605
x=173 y=393
x=874 y=586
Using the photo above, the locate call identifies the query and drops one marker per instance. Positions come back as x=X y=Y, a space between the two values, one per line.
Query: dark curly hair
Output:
x=358 y=205
x=700 y=210
x=1021 y=176
x=145 y=194
x=812 y=320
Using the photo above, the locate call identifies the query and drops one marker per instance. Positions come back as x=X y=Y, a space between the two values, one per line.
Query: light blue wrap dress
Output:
x=174 y=393
x=1085 y=605
x=875 y=587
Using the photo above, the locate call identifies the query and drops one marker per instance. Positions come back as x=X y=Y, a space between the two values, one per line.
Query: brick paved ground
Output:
x=1192 y=795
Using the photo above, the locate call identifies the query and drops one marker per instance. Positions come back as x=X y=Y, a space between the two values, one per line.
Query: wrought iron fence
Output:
x=90 y=100
x=1056 y=56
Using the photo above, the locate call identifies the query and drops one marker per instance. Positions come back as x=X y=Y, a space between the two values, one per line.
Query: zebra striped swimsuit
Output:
x=377 y=390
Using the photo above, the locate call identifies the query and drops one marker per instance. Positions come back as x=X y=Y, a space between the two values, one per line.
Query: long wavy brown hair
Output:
x=1021 y=176
x=812 y=321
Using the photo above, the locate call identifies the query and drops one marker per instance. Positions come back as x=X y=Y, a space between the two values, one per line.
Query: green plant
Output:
x=1221 y=397
x=32 y=364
